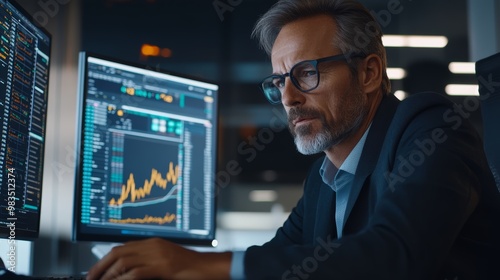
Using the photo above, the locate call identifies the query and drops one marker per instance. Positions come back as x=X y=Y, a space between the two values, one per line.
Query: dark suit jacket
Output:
x=423 y=206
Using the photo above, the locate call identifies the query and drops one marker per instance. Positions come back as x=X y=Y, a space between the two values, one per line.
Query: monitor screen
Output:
x=147 y=154
x=24 y=76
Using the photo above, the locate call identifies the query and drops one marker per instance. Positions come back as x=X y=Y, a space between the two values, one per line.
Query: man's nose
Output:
x=290 y=95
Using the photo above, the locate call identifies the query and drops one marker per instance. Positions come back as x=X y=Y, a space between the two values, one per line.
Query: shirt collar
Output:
x=350 y=164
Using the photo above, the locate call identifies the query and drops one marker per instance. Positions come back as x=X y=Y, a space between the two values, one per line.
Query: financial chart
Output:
x=24 y=72
x=147 y=155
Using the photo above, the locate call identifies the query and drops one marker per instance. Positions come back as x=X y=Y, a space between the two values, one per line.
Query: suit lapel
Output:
x=371 y=150
x=325 y=214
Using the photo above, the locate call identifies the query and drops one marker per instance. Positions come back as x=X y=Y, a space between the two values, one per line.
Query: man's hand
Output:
x=159 y=259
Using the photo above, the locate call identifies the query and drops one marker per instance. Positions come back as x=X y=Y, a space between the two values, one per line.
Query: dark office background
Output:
x=210 y=39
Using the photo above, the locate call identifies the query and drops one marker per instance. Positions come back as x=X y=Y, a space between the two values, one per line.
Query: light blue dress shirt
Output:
x=339 y=180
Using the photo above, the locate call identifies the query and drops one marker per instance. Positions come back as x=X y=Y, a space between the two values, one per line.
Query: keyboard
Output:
x=9 y=275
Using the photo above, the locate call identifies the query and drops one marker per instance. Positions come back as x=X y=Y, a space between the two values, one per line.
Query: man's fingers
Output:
x=146 y=259
x=124 y=267
x=102 y=267
x=132 y=268
x=141 y=272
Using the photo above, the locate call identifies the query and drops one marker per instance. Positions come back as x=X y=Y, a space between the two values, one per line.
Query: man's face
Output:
x=323 y=117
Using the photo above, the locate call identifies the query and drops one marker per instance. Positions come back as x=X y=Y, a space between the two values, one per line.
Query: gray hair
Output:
x=358 y=31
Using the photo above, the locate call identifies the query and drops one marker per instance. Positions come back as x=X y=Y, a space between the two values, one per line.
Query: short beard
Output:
x=321 y=142
x=330 y=135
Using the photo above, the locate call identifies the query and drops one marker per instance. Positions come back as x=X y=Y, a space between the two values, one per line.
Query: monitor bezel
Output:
x=77 y=234
x=22 y=234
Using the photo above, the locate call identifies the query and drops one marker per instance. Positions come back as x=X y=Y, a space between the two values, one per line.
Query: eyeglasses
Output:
x=304 y=76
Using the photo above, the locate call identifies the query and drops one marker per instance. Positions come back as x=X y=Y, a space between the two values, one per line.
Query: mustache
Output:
x=296 y=113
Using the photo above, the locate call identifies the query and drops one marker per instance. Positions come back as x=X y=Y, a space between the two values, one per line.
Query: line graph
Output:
x=130 y=191
x=146 y=181
x=167 y=219
x=170 y=195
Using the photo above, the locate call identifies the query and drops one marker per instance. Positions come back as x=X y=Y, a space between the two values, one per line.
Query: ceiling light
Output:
x=462 y=90
x=396 y=73
x=263 y=196
x=462 y=67
x=414 y=41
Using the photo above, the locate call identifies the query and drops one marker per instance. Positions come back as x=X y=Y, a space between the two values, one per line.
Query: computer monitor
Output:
x=146 y=154
x=24 y=78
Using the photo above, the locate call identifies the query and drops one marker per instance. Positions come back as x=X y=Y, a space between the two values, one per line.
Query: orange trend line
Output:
x=169 y=218
x=156 y=179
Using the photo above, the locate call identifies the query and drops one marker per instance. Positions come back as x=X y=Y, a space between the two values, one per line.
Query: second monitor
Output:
x=146 y=154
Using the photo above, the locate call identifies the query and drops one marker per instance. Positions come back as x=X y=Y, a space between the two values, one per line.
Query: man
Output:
x=488 y=75
x=403 y=192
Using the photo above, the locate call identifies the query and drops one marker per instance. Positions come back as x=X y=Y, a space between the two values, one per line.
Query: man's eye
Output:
x=309 y=73
x=279 y=83
x=305 y=72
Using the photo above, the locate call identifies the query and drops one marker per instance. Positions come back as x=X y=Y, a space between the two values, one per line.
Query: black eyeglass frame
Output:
x=315 y=63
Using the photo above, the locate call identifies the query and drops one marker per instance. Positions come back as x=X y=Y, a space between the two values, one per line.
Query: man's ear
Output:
x=370 y=73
